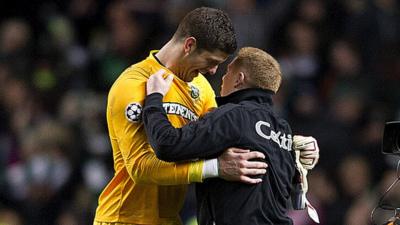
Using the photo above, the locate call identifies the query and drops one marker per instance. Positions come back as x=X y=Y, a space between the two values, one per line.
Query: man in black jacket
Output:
x=244 y=119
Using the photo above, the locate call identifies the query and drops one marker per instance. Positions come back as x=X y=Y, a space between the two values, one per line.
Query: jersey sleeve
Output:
x=204 y=138
x=125 y=127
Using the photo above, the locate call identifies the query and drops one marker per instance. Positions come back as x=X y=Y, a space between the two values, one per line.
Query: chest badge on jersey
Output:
x=194 y=92
x=133 y=112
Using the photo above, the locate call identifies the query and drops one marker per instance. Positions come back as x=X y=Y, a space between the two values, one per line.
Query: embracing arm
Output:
x=129 y=142
x=234 y=164
x=204 y=138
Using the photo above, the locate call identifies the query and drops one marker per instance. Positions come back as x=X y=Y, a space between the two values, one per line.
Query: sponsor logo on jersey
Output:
x=180 y=110
x=133 y=112
x=194 y=92
x=283 y=140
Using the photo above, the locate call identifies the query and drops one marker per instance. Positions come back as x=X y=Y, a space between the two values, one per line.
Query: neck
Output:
x=169 y=54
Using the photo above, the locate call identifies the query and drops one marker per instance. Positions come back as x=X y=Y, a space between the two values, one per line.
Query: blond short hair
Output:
x=262 y=69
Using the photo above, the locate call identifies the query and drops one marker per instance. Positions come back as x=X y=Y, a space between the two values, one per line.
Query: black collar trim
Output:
x=154 y=55
x=249 y=94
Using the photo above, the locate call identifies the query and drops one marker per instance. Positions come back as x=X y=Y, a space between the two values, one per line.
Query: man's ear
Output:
x=189 y=45
x=240 y=79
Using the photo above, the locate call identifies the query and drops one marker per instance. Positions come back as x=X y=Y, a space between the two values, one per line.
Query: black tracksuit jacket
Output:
x=244 y=119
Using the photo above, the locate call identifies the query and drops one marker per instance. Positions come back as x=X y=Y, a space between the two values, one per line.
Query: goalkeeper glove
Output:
x=308 y=150
x=306 y=157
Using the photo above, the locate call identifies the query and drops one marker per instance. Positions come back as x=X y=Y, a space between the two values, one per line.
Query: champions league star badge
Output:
x=194 y=92
x=133 y=112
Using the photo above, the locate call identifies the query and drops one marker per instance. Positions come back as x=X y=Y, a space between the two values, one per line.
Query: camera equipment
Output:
x=391 y=138
x=390 y=145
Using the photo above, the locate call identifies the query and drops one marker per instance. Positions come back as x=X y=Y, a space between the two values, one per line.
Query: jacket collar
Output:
x=249 y=94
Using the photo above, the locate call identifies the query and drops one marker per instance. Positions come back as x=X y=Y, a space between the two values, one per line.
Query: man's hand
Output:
x=157 y=84
x=234 y=165
x=308 y=150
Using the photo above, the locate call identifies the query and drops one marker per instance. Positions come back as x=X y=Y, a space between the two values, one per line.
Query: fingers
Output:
x=308 y=150
x=308 y=147
x=309 y=153
x=300 y=140
x=248 y=169
x=159 y=73
x=157 y=84
x=169 y=79
x=254 y=165
x=154 y=78
x=159 y=76
x=253 y=172
x=238 y=150
x=248 y=180
x=246 y=154
x=252 y=155
x=234 y=165
x=303 y=142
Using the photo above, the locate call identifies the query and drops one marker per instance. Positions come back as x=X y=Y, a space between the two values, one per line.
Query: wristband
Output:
x=210 y=168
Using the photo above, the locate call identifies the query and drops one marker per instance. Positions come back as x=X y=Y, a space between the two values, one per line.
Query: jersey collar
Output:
x=158 y=65
x=152 y=56
x=249 y=94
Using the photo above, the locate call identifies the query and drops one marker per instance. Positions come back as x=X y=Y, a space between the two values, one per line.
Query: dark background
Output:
x=341 y=67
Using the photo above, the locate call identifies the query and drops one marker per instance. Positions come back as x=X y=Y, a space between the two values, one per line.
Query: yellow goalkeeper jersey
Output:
x=144 y=189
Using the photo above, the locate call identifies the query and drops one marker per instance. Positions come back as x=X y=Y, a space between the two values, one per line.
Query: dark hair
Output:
x=212 y=29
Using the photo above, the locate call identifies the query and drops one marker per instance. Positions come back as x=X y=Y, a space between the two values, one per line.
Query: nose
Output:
x=213 y=70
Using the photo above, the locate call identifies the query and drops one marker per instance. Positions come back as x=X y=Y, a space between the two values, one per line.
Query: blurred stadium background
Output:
x=341 y=67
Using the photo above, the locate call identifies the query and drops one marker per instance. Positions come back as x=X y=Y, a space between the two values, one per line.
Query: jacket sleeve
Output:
x=204 y=138
x=130 y=147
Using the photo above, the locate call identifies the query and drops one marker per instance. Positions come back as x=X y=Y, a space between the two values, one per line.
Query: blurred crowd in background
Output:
x=341 y=68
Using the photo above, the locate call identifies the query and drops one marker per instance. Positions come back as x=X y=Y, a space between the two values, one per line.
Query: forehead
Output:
x=215 y=56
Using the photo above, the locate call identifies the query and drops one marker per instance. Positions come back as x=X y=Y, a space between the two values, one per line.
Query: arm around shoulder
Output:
x=131 y=142
x=204 y=138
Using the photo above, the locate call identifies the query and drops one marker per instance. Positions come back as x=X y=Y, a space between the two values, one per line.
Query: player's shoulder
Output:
x=133 y=79
x=268 y=113
x=139 y=71
x=285 y=124
x=133 y=75
x=229 y=110
x=257 y=110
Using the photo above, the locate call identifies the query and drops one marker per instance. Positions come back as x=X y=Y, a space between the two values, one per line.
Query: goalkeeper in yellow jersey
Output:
x=145 y=190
